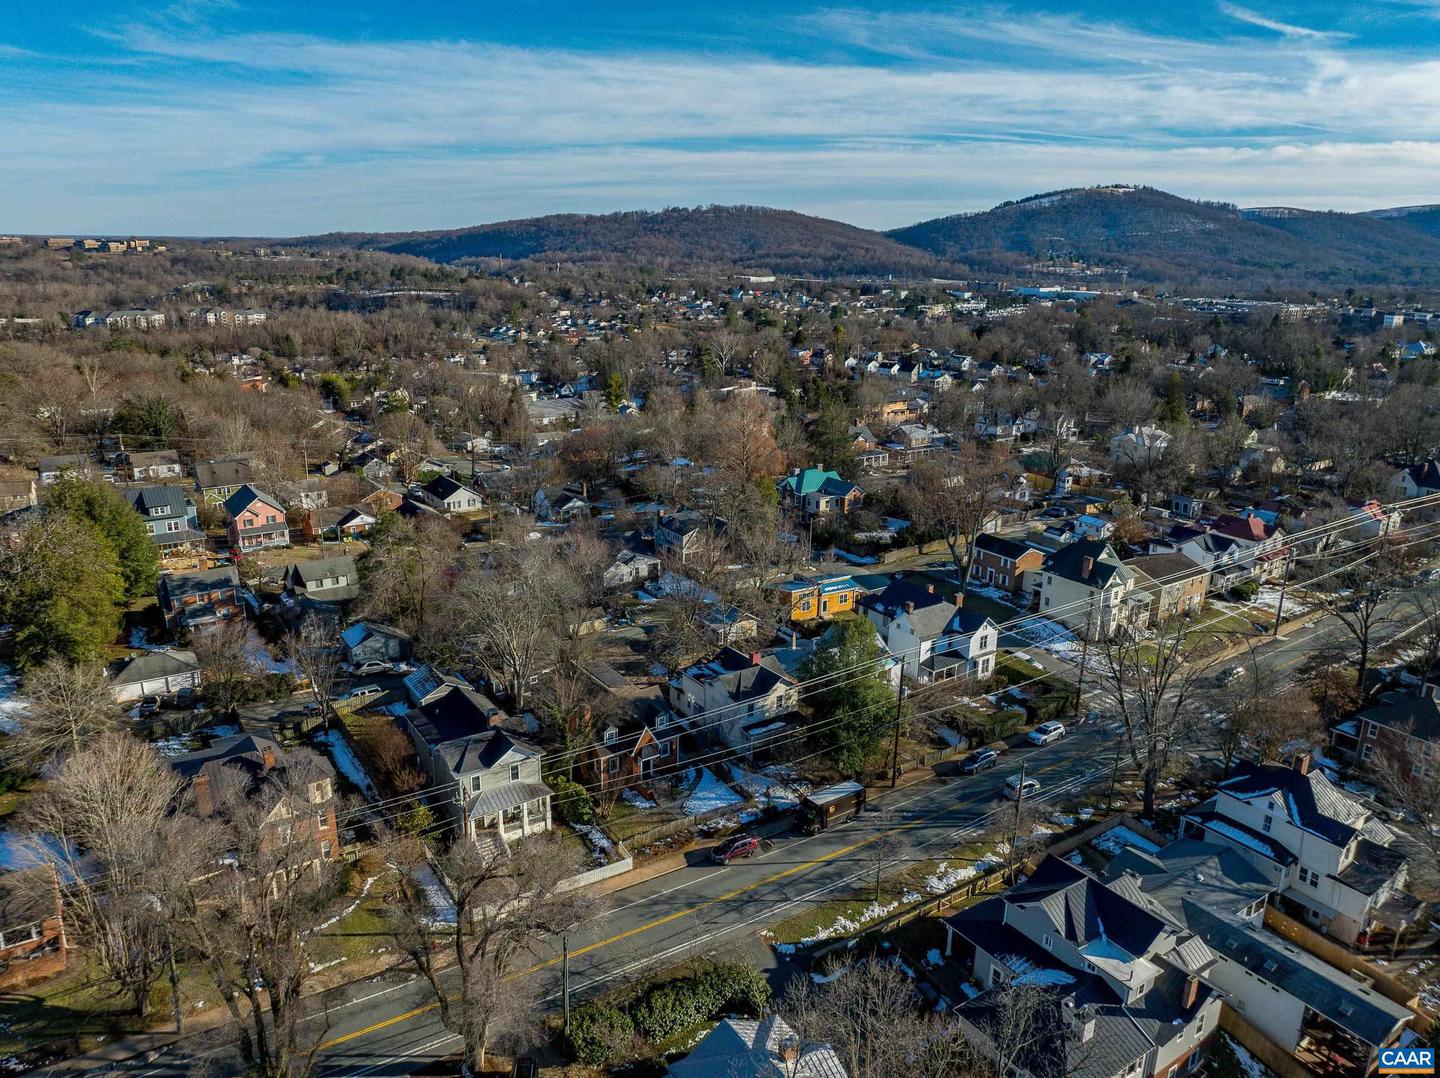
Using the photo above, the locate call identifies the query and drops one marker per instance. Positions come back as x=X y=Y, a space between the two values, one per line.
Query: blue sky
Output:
x=268 y=118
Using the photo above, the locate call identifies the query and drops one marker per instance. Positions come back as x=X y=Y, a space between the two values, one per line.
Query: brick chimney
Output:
x=1301 y=763
x=1190 y=994
x=909 y=606
x=1087 y=567
x=204 y=801
x=267 y=756
x=959 y=599
x=930 y=589
x=755 y=657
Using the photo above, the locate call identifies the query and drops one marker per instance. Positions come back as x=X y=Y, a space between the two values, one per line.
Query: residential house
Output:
x=1091 y=526
x=1173 y=584
x=256 y=520
x=1191 y=506
x=252 y=766
x=757 y=1048
x=1331 y=862
x=217 y=480
x=1221 y=556
x=1418 y=480
x=637 y=739
x=736 y=699
x=560 y=503
x=1401 y=735
x=154 y=673
x=630 y=567
x=911 y=441
x=366 y=641
x=170 y=517
x=816 y=492
x=681 y=534
x=809 y=597
x=33 y=944
x=309 y=493
x=1262 y=542
x=323 y=580
x=160 y=464
x=1370 y=520
x=931 y=637
x=17 y=494
x=449 y=496
x=1131 y=990
x=338 y=523
x=134 y=318
x=1330 y=1021
x=490 y=778
x=1085 y=586
x=72 y=465
x=1003 y=563
x=1139 y=446
x=200 y=601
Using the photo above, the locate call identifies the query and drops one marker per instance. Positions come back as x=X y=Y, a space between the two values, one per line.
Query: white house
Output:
x=931 y=637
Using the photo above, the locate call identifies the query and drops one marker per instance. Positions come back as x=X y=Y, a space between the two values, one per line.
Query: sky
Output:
x=287 y=117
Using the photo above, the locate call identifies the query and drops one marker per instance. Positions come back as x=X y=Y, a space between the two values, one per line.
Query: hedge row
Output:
x=601 y=1034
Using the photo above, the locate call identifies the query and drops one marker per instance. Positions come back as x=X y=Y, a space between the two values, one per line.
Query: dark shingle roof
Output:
x=1418 y=716
x=1005 y=548
x=1069 y=562
x=146 y=499
x=222 y=473
x=155 y=664
x=1303 y=796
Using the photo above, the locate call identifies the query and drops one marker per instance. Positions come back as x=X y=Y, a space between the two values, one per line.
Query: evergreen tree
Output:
x=60 y=590
x=122 y=527
x=856 y=706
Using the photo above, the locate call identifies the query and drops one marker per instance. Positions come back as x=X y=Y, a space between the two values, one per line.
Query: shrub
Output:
x=571 y=800
x=1245 y=590
x=1004 y=723
x=600 y=1035
x=675 y=1006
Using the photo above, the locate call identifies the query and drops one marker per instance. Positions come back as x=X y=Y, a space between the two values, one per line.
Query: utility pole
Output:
x=1015 y=829
x=174 y=979
x=1084 y=656
x=895 y=745
x=1114 y=774
x=1284 y=587
x=565 y=978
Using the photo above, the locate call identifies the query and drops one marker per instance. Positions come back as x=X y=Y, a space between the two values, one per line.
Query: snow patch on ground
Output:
x=600 y=844
x=849 y=926
x=1050 y=636
x=12 y=704
x=767 y=789
x=1252 y=1067
x=1117 y=838
x=636 y=800
x=442 y=906
x=710 y=795
x=348 y=764
x=347 y=911
x=947 y=879
x=171 y=747
x=139 y=639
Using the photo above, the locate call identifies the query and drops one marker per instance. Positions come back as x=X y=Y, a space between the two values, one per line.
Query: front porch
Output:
x=509 y=812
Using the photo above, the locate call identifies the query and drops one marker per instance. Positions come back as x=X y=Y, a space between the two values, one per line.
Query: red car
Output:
x=734 y=848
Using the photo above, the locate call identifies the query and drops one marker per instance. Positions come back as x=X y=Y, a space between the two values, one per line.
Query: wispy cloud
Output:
x=1255 y=18
x=278 y=132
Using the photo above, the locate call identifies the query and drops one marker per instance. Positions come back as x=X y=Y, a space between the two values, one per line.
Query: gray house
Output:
x=216 y=480
x=450 y=496
x=366 y=642
x=323 y=580
x=170 y=516
x=491 y=778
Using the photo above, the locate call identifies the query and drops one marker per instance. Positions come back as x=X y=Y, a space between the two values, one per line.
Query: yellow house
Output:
x=811 y=597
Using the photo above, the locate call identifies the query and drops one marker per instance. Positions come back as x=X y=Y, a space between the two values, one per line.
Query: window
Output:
x=1269 y=823
x=662 y=720
x=173 y=525
x=1048 y=941
x=611 y=735
x=1174 y=1070
x=325 y=849
x=1370 y=730
x=322 y=820
x=995 y=975
x=1366 y=751
x=160 y=511
x=514 y=772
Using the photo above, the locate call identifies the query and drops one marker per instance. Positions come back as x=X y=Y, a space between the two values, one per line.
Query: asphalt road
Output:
x=388 y=1025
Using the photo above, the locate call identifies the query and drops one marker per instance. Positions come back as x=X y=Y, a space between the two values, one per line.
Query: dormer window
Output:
x=611 y=735
x=514 y=772
x=1048 y=941
x=662 y=720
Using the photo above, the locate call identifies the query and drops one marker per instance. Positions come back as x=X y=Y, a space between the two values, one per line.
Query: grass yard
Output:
x=626 y=821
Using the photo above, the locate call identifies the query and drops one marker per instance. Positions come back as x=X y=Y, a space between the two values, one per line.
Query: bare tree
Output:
x=1019 y=1022
x=251 y=916
x=316 y=656
x=70 y=704
x=102 y=819
x=230 y=658
x=406 y=574
x=874 y=1019
x=1014 y=831
x=1152 y=683
x=1358 y=596
x=508 y=899
x=956 y=495
x=1411 y=782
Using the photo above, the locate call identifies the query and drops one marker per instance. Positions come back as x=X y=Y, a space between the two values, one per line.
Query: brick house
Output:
x=1176 y=586
x=1002 y=563
x=200 y=600
x=1403 y=733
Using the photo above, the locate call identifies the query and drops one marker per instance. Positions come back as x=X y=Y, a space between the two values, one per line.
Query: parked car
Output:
x=374 y=666
x=1232 y=674
x=150 y=705
x=734 y=848
x=1429 y=576
x=979 y=760
x=1016 y=790
x=1046 y=732
x=363 y=692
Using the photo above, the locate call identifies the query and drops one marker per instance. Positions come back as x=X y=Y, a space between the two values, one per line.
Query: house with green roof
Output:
x=817 y=492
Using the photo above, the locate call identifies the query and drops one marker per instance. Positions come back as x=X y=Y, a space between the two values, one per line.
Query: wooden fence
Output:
x=1260 y=1046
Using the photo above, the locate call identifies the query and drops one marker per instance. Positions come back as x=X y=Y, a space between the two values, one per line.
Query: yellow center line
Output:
x=667 y=919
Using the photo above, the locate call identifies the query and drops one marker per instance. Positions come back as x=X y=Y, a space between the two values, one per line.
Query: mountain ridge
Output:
x=1133 y=232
